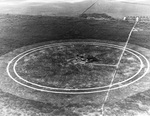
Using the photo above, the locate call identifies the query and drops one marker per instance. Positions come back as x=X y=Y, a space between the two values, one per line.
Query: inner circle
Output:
x=76 y=66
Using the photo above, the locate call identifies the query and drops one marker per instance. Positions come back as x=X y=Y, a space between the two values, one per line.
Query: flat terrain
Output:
x=77 y=66
x=17 y=31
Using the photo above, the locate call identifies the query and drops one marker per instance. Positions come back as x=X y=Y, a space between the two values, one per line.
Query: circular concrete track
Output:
x=11 y=68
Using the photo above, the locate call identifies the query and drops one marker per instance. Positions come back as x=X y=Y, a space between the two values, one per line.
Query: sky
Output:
x=38 y=1
x=117 y=8
x=9 y=2
x=55 y=1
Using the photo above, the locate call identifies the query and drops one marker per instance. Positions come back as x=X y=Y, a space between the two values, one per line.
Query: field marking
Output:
x=109 y=65
x=74 y=89
x=36 y=50
x=117 y=66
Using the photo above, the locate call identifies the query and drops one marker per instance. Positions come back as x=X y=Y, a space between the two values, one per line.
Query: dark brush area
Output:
x=21 y=30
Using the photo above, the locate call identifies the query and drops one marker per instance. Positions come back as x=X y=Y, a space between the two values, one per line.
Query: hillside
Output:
x=97 y=16
x=22 y=30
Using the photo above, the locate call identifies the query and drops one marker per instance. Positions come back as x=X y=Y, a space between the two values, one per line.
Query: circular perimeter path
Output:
x=72 y=67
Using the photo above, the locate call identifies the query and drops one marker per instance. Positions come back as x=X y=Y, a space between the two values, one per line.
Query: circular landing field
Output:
x=76 y=67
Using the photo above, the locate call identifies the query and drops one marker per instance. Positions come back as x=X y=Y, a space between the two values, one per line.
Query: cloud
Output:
x=129 y=0
x=7 y=3
x=54 y=1
x=11 y=2
x=135 y=2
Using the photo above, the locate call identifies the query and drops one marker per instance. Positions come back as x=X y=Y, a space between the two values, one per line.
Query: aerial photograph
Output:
x=74 y=57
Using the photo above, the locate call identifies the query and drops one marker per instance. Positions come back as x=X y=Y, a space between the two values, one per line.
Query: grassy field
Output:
x=17 y=31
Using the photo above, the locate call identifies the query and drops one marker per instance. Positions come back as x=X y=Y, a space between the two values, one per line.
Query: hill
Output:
x=96 y=16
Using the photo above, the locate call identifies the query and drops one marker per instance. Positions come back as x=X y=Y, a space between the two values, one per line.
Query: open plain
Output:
x=19 y=33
